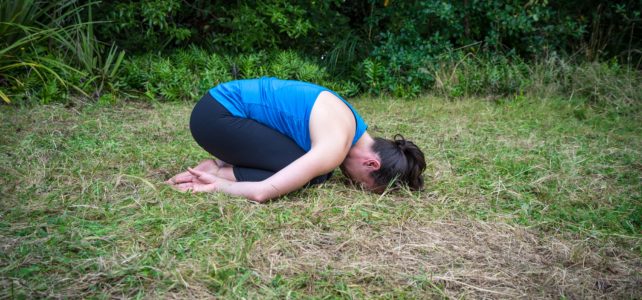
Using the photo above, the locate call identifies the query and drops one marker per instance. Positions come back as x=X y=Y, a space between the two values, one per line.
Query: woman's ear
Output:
x=372 y=164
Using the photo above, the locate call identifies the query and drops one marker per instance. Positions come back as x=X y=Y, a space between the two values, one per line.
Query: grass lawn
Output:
x=527 y=198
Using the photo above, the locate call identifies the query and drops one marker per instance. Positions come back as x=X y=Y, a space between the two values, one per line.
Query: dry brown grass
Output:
x=466 y=258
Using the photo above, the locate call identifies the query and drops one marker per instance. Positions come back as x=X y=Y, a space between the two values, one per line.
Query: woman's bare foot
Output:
x=217 y=168
x=210 y=166
x=214 y=167
x=221 y=169
x=222 y=164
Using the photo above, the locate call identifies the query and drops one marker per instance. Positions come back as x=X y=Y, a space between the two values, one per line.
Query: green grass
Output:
x=524 y=198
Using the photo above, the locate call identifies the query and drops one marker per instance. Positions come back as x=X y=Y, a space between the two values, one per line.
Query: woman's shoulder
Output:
x=330 y=113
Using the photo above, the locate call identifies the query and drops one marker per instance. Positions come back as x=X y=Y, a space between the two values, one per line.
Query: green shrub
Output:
x=252 y=65
x=149 y=25
x=321 y=27
x=25 y=66
x=345 y=88
x=243 y=26
x=217 y=69
x=107 y=99
x=34 y=90
x=406 y=38
x=397 y=71
x=288 y=64
x=186 y=74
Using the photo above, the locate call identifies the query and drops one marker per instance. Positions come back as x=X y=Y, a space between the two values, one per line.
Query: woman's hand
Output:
x=200 y=182
x=210 y=166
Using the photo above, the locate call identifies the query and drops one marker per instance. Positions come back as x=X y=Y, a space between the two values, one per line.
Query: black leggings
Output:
x=255 y=150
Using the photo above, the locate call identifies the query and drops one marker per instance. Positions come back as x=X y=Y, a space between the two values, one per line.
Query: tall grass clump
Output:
x=607 y=84
x=99 y=61
x=19 y=58
x=48 y=50
x=469 y=74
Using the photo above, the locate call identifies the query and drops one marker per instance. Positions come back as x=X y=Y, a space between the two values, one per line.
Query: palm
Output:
x=203 y=182
x=199 y=179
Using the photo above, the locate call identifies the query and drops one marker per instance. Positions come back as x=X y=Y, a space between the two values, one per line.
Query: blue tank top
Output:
x=283 y=105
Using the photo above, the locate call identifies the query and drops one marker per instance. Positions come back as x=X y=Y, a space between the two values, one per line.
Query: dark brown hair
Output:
x=401 y=162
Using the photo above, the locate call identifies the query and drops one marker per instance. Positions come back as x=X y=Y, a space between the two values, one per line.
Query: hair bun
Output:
x=400 y=142
x=402 y=162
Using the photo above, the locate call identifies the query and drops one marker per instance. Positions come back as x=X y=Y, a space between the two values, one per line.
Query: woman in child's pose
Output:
x=272 y=137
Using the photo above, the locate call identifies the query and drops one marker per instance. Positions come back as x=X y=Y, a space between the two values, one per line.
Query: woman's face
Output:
x=358 y=173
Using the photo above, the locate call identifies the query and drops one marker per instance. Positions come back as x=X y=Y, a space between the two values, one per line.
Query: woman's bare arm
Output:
x=318 y=161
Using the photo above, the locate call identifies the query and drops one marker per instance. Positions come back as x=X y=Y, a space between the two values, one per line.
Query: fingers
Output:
x=173 y=179
x=193 y=186
x=182 y=178
x=193 y=180
x=183 y=187
x=187 y=176
x=203 y=176
x=195 y=172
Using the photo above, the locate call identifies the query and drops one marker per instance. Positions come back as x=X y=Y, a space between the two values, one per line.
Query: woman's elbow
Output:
x=259 y=197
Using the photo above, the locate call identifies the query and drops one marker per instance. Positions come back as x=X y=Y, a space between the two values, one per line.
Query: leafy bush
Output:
x=263 y=25
x=396 y=69
x=421 y=34
x=398 y=48
x=321 y=27
x=493 y=41
x=99 y=63
x=242 y=26
x=150 y=25
x=187 y=74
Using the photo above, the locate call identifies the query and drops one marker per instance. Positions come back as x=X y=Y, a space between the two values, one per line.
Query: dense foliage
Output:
x=187 y=74
x=526 y=26
x=401 y=48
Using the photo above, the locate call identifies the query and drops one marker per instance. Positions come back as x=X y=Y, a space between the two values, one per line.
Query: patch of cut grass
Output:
x=524 y=198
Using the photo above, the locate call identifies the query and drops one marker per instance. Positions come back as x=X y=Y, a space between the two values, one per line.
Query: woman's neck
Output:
x=363 y=146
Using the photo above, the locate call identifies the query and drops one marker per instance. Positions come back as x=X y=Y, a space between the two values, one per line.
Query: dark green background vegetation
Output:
x=169 y=50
